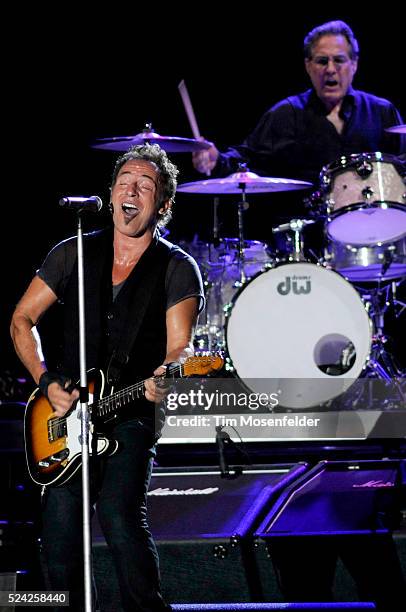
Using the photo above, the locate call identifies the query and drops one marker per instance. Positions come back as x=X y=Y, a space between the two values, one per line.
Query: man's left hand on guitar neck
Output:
x=156 y=389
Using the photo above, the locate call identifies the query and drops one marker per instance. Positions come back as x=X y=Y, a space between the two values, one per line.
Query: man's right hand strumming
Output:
x=58 y=390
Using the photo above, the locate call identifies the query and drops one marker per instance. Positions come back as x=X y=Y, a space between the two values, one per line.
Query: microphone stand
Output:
x=223 y=438
x=84 y=419
x=220 y=437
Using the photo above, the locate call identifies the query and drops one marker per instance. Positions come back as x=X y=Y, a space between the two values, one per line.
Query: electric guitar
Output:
x=52 y=443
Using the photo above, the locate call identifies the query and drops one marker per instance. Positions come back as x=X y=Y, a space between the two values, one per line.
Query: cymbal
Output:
x=243 y=181
x=170 y=144
x=397 y=129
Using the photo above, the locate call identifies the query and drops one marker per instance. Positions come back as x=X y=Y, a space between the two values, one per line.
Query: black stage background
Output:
x=79 y=79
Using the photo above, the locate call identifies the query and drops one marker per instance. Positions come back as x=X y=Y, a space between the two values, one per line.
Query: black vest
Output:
x=106 y=320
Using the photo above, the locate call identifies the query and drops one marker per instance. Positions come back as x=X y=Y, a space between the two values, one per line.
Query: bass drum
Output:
x=298 y=330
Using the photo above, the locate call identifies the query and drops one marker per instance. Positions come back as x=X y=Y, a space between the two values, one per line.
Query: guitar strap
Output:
x=154 y=263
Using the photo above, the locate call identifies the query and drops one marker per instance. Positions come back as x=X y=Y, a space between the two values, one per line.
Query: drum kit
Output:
x=310 y=328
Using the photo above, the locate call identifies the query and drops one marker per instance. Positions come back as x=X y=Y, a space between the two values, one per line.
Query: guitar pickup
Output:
x=56 y=429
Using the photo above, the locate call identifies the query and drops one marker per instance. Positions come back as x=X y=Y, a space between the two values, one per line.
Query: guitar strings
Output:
x=106 y=404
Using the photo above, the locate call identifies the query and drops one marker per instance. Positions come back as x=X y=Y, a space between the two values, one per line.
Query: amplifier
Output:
x=201 y=523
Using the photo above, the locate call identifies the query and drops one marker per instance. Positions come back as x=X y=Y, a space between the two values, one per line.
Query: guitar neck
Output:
x=107 y=407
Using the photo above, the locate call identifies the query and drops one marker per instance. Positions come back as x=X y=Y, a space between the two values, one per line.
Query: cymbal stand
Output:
x=242 y=206
x=216 y=201
x=296 y=226
x=397 y=304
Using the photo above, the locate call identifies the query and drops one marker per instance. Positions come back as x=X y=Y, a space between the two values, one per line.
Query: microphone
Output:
x=92 y=204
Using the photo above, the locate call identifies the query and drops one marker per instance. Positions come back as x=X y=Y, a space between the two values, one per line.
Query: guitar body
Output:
x=52 y=444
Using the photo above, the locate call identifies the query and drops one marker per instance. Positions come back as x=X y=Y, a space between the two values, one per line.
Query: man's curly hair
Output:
x=167 y=174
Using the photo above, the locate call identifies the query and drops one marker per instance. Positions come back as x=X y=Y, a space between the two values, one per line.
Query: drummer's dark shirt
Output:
x=294 y=138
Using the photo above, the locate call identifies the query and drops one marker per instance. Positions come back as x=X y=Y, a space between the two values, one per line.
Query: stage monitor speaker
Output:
x=339 y=511
x=338 y=498
x=202 y=525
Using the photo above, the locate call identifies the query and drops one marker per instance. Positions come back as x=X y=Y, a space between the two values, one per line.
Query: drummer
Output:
x=300 y=134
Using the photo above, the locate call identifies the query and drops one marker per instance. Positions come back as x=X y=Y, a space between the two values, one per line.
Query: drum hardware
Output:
x=296 y=226
x=216 y=203
x=381 y=363
x=388 y=259
x=379 y=299
x=347 y=358
x=395 y=302
x=242 y=205
x=315 y=204
x=382 y=366
x=367 y=193
x=364 y=168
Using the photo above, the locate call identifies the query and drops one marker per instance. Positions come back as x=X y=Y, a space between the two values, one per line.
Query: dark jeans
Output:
x=119 y=486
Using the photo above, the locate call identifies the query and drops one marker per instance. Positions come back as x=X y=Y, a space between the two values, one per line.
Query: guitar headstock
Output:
x=201 y=365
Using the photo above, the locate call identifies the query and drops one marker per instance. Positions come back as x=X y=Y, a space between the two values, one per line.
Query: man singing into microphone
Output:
x=134 y=280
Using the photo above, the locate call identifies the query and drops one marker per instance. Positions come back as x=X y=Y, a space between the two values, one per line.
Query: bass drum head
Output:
x=298 y=330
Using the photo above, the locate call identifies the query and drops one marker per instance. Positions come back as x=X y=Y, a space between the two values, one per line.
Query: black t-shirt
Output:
x=295 y=139
x=182 y=280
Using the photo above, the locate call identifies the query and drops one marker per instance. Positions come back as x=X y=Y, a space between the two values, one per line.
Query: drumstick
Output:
x=189 y=109
x=190 y=112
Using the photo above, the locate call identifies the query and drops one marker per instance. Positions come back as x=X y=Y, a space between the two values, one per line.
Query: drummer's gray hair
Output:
x=167 y=174
x=331 y=27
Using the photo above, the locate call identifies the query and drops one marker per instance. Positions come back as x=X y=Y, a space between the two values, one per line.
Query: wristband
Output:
x=47 y=378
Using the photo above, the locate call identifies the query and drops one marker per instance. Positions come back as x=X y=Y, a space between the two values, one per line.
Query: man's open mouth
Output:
x=331 y=83
x=129 y=210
